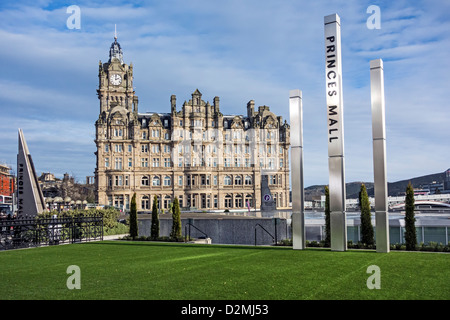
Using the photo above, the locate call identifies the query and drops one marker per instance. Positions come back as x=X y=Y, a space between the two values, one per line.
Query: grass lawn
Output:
x=146 y=270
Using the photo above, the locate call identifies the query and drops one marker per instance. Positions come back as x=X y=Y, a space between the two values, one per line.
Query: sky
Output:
x=239 y=50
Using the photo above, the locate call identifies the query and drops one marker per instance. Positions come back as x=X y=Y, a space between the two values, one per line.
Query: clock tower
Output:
x=117 y=122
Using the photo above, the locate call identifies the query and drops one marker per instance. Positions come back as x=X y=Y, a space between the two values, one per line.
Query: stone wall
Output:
x=223 y=230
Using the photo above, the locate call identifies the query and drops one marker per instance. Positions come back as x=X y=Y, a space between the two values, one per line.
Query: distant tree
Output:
x=327 y=217
x=133 y=218
x=154 y=231
x=410 y=228
x=366 y=219
x=176 y=220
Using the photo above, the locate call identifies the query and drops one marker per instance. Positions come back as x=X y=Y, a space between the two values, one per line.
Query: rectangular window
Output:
x=180 y=180
x=273 y=179
x=107 y=162
x=118 y=163
x=155 y=148
x=126 y=180
x=271 y=163
x=166 y=162
x=130 y=148
x=118 y=148
x=130 y=162
x=106 y=147
x=155 y=133
x=144 y=162
x=155 y=162
x=215 y=180
x=144 y=148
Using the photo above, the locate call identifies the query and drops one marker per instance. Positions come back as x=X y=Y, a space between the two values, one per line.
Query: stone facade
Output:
x=208 y=160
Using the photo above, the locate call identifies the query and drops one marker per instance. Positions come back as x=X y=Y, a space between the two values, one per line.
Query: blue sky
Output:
x=238 y=50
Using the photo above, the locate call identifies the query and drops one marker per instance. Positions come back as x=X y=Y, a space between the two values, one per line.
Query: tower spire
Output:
x=115 y=51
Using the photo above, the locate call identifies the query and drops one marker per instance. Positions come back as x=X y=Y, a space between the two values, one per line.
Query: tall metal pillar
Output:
x=335 y=110
x=379 y=155
x=298 y=218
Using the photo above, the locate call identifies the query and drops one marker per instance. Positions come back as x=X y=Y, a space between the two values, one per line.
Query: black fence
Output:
x=25 y=232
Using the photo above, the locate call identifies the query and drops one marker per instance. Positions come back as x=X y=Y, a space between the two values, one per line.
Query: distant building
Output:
x=6 y=184
x=49 y=185
x=434 y=187
x=202 y=157
x=447 y=180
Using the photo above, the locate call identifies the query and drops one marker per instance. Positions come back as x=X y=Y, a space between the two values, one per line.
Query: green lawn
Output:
x=145 y=270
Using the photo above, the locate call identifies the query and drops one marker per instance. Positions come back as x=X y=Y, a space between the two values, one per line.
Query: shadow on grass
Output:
x=216 y=246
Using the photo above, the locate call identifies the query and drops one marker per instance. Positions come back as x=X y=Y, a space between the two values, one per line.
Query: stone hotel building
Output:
x=208 y=160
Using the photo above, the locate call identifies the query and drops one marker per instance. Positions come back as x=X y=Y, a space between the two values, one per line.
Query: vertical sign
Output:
x=30 y=200
x=379 y=154
x=335 y=110
x=298 y=219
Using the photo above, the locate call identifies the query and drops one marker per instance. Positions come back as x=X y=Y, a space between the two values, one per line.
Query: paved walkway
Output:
x=115 y=236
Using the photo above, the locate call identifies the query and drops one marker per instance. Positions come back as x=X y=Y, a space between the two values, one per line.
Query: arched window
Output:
x=249 y=200
x=167 y=201
x=238 y=201
x=228 y=201
x=145 y=181
x=248 y=180
x=145 y=203
x=227 y=181
x=156 y=181
x=167 y=181
x=238 y=180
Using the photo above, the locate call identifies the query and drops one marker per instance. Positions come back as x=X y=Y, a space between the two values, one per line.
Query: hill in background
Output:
x=394 y=188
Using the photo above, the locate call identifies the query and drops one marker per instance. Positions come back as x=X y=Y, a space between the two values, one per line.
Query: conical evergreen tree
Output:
x=410 y=228
x=133 y=218
x=154 y=231
x=176 y=220
x=366 y=219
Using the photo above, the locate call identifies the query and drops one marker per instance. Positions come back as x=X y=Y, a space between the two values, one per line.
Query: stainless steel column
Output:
x=379 y=154
x=298 y=218
x=335 y=110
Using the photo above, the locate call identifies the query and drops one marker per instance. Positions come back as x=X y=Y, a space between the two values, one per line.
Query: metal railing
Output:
x=25 y=232
x=258 y=225
x=187 y=231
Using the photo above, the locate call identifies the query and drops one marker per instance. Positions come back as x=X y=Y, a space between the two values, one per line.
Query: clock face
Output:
x=115 y=79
